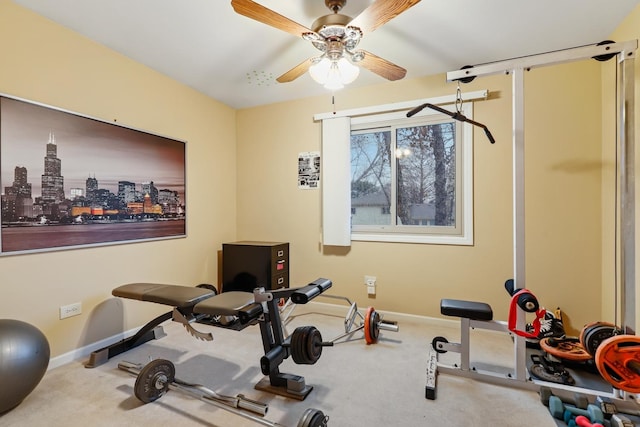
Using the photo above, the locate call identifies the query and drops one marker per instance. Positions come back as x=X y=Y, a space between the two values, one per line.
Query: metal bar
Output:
x=186 y=388
x=627 y=193
x=465 y=343
x=627 y=49
x=519 y=247
x=518 y=179
x=399 y=106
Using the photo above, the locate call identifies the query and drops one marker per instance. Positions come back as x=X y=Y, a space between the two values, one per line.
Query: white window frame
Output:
x=336 y=228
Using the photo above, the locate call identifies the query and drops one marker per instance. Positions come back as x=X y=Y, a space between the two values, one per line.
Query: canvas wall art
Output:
x=68 y=181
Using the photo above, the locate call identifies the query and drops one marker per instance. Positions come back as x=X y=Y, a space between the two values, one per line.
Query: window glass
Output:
x=426 y=175
x=407 y=178
x=371 y=177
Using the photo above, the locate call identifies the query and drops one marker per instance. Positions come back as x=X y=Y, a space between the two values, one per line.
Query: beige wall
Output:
x=46 y=63
x=563 y=198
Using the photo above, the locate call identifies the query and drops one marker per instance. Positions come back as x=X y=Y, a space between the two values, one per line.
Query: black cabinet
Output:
x=247 y=265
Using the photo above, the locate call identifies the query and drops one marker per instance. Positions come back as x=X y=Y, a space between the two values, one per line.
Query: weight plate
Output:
x=435 y=344
x=313 y=345
x=594 y=334
x=297 y=350
x=585 y=330
x=618 y=361
x=371 y=326
x=154 y=379
x=538 y=371
x=313 y=418
x=565 y=349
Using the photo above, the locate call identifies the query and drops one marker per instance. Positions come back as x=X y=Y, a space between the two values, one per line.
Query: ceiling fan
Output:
x=336 y=36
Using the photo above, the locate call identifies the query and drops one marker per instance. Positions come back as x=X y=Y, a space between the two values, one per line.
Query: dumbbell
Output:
x=619 y=420
x=558 y=409
x=583 y=421
x=579 y=400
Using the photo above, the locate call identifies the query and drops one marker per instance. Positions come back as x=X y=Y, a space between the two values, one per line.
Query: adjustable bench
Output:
x=474 y=315
x=183 y=298
x=192 y=304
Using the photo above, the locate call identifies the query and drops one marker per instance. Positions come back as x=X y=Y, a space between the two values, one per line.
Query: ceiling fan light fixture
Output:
x=334 y=74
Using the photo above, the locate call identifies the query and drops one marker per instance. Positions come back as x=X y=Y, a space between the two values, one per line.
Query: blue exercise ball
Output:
x=24 y=358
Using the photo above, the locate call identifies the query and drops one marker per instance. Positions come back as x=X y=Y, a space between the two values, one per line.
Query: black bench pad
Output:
x=467 y=309
x=173 y=295
x=225 y=304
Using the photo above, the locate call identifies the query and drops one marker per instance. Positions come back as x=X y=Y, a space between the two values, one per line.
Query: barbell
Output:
x=158 y=376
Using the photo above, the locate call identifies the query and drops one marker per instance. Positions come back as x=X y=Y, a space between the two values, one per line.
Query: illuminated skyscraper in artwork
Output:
x=52 y=179
x=91 y=188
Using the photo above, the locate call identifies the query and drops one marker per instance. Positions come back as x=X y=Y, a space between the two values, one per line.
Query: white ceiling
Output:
x=207 y=46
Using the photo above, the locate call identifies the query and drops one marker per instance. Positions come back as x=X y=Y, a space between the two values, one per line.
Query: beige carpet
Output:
x=354 y=384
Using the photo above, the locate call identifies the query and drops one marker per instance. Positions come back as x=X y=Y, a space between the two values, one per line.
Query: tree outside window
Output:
x=404 y=176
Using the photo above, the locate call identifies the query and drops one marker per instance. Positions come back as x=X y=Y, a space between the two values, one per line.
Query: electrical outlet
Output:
x=70 y=310
x=370 y=282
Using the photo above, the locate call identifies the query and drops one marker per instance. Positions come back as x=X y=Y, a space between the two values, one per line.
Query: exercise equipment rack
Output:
x=625 y=53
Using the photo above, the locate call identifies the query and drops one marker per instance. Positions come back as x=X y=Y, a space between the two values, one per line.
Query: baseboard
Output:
x=84 y=352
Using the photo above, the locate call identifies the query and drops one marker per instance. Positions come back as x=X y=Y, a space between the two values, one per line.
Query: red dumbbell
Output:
x=583 y=421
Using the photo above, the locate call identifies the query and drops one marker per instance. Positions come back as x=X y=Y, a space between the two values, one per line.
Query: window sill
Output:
x=413 y=238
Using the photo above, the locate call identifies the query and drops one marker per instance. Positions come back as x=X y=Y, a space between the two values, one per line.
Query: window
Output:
x=411 y=178
x=402 y=215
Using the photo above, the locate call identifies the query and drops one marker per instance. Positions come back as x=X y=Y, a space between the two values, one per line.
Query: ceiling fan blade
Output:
x=382 y=67
x=256 y=11
x=379 y=13
x=295 y=72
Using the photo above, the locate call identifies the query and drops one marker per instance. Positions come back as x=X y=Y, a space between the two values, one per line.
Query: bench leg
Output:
x=465 y=347
x=148 y=332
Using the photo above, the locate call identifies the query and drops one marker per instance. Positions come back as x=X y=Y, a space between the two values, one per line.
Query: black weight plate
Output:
x=313 y=418
x=318 y=420
x=596 y=334
x=585 y=330
x=538 y=371
x=375 y=325
x=297 y=352
x=154 y=379
x=314 y=345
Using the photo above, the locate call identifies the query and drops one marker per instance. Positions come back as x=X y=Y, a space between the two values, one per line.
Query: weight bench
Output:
x=473 y=315
x=183 y=299
x=192 y=304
